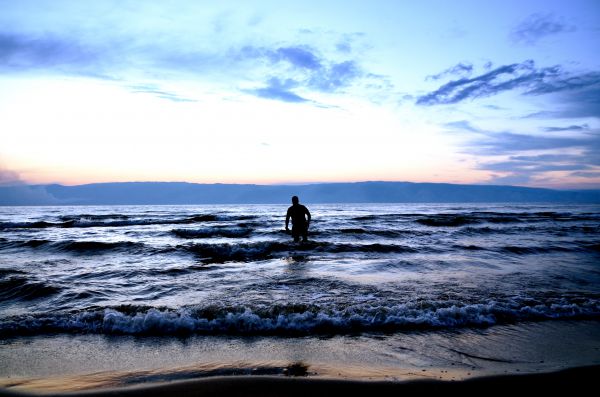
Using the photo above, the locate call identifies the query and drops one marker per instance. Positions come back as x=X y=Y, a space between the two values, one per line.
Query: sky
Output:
x=266 y=92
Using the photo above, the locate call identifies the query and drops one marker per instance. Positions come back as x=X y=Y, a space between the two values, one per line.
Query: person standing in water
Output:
x=300 y=220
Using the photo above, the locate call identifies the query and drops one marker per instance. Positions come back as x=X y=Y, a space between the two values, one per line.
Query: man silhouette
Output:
x=300 y=223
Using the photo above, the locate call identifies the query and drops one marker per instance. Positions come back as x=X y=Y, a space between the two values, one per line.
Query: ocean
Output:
x=225 y=290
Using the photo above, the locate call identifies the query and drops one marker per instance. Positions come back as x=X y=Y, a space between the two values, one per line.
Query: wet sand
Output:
x=545 y=356
x=572 y=380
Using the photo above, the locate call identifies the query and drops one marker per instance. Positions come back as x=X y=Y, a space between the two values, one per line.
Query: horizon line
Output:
x=23 y=183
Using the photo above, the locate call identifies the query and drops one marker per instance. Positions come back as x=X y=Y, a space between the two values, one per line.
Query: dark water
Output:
x=231 y=270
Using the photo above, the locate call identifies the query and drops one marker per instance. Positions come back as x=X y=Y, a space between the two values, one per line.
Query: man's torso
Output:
x=297 y=213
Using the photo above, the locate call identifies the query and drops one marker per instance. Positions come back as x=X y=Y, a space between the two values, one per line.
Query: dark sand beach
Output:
x=543 y=356
x=574 y=380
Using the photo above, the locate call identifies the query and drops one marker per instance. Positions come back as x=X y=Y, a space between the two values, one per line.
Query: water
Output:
x=110 y=296
x=368 y=270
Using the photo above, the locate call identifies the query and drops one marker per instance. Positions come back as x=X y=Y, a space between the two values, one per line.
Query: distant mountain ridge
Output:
x=357 y=192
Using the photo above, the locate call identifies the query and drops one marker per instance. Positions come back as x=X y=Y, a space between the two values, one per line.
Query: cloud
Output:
x=462 y=125
x=278 y=90
x=561 y=81
x=524 y=76
x=574 y=104
x=503 y=78
x=569 y=128
x=530 y=166
x=587 y=174
x=154 y=90
x=297 y=56
x=559 y=158
x=70 y=57
x=456 y=70
x=538 y=26
x=498 y=143
x=308 y=68
x=524 y=162
x=579 y=104
x=9 y=178
x=344 y=46
x=19 y=52
x=14 y=191
x=524 y=169
x=304 y=67
x=140 y=60
x=336 y=76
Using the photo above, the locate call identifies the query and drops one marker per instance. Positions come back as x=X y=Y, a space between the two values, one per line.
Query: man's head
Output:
x=295 y=200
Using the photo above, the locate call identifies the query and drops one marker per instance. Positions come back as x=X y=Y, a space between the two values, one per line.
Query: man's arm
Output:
x=307 y=216
x=287 y=219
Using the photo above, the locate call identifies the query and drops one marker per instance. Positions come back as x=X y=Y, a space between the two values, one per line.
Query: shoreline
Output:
x=95 y=363
x=571 y=379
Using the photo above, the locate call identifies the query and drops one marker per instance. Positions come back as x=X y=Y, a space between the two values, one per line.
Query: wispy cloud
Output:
x=587 y=174
x=589 y=158
x=580 y=103
x=296 y=56
x=460 y=69
x=531 y=167
x=155 y=90
x=515 y=169
x=523 y=76
x=461 y=125
x=525 y=158
x=278 y=90
x=25 y=52
x=573 y=104
x=583 y=127
x=280 y=68
x=538 y=26
x=337 y=75
x=305 y=67
x=523 y=162
x=498 y=143
x=501 y=79
x=556 y=80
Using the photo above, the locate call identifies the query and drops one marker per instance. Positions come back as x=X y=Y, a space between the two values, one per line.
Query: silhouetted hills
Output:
x=359 y=192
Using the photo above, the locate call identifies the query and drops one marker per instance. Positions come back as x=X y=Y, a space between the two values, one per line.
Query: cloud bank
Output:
x=530 y=157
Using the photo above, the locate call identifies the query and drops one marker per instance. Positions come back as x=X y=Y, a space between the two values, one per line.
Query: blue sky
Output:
x=504 y=92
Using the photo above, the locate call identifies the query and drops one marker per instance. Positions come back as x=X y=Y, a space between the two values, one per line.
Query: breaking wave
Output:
x=269 y=249
x=298 y=319
x=84 y=221
x=81 y=247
